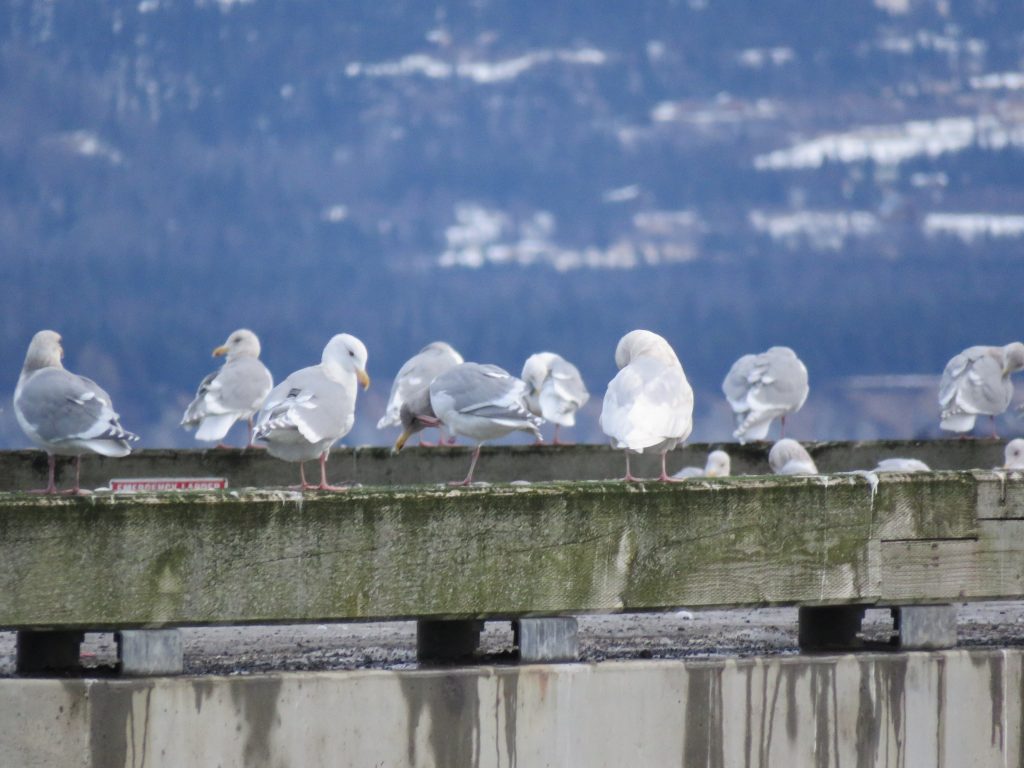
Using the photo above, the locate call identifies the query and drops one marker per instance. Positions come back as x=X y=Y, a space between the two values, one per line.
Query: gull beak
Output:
x=400 y=442
x=365 y=381
x=220 y=351
x=711 y=473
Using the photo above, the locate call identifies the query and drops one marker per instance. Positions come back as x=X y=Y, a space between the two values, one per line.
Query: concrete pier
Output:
x=946 y=709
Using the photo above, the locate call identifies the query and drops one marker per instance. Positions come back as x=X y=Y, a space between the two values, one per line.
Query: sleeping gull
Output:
x=902 y=465
x=977 y=382
x=65 y=414
x=308 y=412
x=481 y=402
x=414 y=376
x=1013 y=456
x=718 y=465
x=761 y=388
x=788 y=457
x=648 y=406
x=555 y=389
x=234 y=392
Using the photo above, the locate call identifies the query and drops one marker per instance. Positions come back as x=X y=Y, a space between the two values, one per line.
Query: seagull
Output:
x=234 y=392
x=902 y=465
x=718 y=465
x=65 y=414
x=555 y=389
x=480 y=402
x=788 y=457
x=648 y=406
x=761 y=388
x=414 y=376
x=977 y=382
x=314 y=407
x=1014 y=454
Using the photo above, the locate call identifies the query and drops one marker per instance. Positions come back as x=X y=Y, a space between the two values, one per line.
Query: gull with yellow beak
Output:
x=234 y=392
x=718 y=465
x=977 y=383
x=479 y=402
x=65 y=414
x=314 y=407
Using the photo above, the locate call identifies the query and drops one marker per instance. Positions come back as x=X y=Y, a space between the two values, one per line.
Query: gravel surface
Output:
x=392 y=645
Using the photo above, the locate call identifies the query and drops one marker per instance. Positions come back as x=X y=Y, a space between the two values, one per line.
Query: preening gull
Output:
x=555 y=389
x=718 y=465
x=234 y=392
x=977 y=383
x=648 y=406
x=761 y=388
x=308 y=412
x=788 y=457
x=415 y=376
x=480 y=402
x=65 y=414
x=1013 y=455
x=902 y=465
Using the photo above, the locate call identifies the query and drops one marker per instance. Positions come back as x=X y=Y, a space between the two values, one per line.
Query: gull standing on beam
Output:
x=977 y=383
x=555 y=389
x=65 y=414
x=648 y=407
x=415 y=376
x=480 y=402
x=788 y=457
x=761 y=388
x=313 y=408
x=234 y=392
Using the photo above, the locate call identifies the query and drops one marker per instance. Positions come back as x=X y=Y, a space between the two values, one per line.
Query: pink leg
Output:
x=664 y=476
x=324 y=486
x=994 y=433
x=303 y=485
x=51 y=485
x=629 y=478
x=424 y=443
x=782 y=426
x=555 y=440
x=76 y=490
x=472 y=466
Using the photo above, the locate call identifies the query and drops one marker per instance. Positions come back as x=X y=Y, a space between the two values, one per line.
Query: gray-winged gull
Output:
x=902 y=465
x=648 y=406
x=788 y=457
x=977 y=383
x=65 y=414
x=314 y=407
x=555 y=389
x=479 y=402
x=1013 y=454
x=415 y=376
x=234 y=392
x=718 y=465
x=761 y=388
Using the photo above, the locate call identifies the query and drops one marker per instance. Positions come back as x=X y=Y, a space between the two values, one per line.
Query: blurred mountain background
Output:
x=843 y=178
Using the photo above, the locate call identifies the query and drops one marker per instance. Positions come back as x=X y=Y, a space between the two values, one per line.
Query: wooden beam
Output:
x=502 y=551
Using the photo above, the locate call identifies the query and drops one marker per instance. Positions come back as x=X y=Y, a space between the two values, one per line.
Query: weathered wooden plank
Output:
x=502 y=551
x=999 y=497
x=989 y=567
x=936 y=505
x=21 y=470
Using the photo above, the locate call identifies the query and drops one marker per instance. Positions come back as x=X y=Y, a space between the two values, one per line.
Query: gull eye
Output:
x=351 y=353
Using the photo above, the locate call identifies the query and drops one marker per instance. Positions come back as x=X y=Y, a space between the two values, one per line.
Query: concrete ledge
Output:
x=945 y=709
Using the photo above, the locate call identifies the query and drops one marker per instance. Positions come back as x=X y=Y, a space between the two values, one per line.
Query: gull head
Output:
x=44 y=351
x=1013 y=358
x=643 y=343
x=347 y=353
x=241 y=343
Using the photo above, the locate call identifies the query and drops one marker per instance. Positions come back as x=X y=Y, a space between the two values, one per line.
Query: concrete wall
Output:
x=952 y=709
x=21 y=470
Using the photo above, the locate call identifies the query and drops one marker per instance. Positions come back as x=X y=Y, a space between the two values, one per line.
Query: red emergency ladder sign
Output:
x=157 y=484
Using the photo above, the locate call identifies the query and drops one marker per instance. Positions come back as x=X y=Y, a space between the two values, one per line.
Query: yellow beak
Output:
x=220 y=351
x=363 y=378
x=400 y=442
